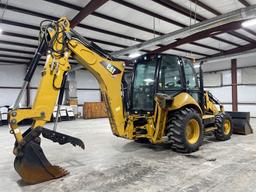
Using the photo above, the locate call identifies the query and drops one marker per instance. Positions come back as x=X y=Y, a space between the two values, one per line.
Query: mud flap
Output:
x=31 y=163
x=241 y=122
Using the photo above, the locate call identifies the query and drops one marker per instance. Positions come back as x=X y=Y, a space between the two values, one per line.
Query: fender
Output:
x=184 y=99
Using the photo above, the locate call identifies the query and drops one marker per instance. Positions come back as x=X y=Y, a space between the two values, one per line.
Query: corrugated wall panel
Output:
x=212 y=79
x=222 y=93
x=246 y=94
x=86 y=80
x=11 y=76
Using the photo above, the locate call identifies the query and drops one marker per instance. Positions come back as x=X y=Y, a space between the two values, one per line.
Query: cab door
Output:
x=170 y=79
x=191 y=82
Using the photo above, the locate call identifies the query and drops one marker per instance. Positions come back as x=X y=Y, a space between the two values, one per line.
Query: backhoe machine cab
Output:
x=165 y=99
x=167 y=74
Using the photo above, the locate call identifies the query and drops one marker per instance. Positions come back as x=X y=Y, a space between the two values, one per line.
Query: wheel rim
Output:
x=227 y=127
x=192 y=131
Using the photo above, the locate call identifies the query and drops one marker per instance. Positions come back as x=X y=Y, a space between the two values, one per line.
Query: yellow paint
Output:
x=110 y=85
x=192 y=131
x=46 y=95
x=208 y=116
x=210 y=106
x=184 y=99
x=227 y=127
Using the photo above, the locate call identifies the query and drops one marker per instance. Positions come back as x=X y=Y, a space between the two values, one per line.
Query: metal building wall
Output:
x=218 y=81
x=11 y=78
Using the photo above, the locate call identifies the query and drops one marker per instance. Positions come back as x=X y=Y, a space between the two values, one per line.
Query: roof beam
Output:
x=179 y=9
x=41 y=15
x=103 y=16
x=236 y=50
x=17 y=44
x=240 y=36
x=189 y=13
x=250 y=52
x=91 y=39
x=100 y=15
x=36 y=38
x=29 y=12
x=200 y=35
x=188 y=51
x=206 y=7
x=87 y=10
x=250 y=31
x=237 y=15
x=244 y=2
x=33 y=13
x=17 y=51
x=19 y=35
x=132 y=6
x=15 y=56
x=215 y=12
x=12 y=62
x=206 y=46
x=147 y=12
x=106 y=17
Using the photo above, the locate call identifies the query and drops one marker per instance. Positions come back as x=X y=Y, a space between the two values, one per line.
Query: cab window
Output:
x=191 y=81
x=169 y=74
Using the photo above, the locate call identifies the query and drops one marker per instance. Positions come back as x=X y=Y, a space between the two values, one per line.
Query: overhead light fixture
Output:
x=196 y=66
x=1 y=30
x=249 y=23
x=134 y=55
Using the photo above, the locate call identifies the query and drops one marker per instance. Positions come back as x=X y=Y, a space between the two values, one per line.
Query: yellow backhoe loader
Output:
x=166 y=99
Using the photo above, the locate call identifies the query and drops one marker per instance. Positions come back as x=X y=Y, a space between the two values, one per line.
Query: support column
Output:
x=234 y=84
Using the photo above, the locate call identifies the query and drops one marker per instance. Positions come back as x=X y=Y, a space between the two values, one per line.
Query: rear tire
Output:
x=224 y=126
x=185 y=130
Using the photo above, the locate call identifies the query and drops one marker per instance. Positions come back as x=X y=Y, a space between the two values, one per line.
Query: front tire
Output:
x=185 y=130
x=224 y=130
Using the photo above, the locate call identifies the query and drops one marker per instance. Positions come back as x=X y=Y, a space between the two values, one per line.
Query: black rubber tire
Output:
x=176 y=125
x=219 y=123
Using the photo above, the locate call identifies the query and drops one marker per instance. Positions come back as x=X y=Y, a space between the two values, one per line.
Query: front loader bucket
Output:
x=241 y=122
x=33 y=167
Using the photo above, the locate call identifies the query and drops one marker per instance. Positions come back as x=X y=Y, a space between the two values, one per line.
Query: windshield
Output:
x=143 y=87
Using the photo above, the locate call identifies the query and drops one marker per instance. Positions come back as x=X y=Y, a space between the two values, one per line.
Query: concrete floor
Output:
x=113 y=164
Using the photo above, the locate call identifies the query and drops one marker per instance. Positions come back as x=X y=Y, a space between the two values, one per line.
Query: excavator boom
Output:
x=60 y=43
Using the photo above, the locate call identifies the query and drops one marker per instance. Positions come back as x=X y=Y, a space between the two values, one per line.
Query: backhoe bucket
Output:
x=241 y=122
x=33 y=167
